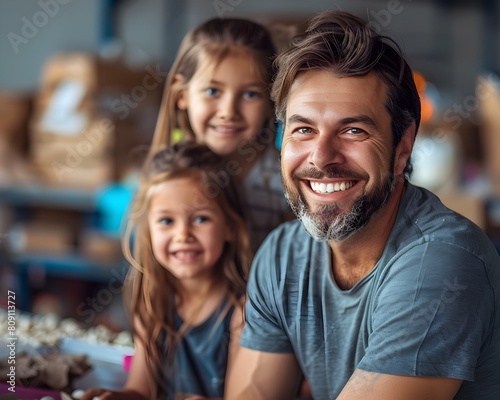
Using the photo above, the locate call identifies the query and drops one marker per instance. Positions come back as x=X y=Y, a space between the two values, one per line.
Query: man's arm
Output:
x=256 y=375
x=364 y=385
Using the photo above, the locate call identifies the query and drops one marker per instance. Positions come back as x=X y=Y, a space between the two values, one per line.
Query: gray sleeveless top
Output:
x=201 y=358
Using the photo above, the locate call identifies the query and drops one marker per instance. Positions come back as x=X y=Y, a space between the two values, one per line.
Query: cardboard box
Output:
x=15 y=109
x=88 y=176
x=93 y=143
x=115 y=149
x=95 y=72
x=93 y=118
x=100 y=247
x=488 y=90
x=92 y=73
x=84 y=159
x=39 y=237
x=471 y=207
x=14 y=169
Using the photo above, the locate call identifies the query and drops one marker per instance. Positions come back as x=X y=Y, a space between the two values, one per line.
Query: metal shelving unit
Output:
x=75 y=265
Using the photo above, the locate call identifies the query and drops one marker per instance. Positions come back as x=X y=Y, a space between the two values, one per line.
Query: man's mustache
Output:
x=330 y=172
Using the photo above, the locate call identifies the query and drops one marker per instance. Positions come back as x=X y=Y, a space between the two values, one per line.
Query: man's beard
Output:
x=327 y=223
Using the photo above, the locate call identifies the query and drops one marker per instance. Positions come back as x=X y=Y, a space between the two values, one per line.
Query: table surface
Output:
x=106 y=361
x=107 y=364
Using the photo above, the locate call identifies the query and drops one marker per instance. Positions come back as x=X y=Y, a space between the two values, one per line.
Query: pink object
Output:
x=127 y=362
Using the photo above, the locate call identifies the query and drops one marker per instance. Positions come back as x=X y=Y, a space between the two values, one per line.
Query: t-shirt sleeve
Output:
x=433 y=312
x=263 y=330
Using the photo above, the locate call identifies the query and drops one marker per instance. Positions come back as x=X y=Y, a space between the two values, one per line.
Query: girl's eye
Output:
x=166 y=221
x=212 y=91
x=251 y=94
x=200 y=219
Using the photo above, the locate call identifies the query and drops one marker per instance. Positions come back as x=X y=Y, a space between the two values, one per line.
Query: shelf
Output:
x=73 y=266
x=74 y=199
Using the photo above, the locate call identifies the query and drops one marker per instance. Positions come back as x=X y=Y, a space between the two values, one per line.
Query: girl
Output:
x=217 y=93
x=191 y=257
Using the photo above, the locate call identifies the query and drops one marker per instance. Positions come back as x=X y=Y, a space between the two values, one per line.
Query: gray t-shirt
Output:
x=430 y=307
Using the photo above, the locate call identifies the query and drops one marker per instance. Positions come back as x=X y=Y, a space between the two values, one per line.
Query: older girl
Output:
x=217 y=93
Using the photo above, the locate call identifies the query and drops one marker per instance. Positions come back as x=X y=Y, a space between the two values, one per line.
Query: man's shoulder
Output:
x=424 y=218
x=428 y=237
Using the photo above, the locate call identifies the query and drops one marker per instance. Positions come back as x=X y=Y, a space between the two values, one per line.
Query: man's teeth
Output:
x=331 y=187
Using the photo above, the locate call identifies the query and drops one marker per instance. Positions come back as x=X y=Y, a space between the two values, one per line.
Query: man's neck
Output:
x=355 y=257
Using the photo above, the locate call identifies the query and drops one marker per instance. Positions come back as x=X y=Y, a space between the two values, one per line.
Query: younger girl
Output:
x=217 y=93
x=191 y=256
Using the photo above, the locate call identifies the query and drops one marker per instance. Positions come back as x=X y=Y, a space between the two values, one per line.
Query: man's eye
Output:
x=355 y=131
x=304 y=131
x=212 y=91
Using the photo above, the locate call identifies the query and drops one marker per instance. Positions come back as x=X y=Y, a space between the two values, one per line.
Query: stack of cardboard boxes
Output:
x=481 y=139
x=15 y=109
x=90 y=117
x=90 y=123
x=488 y=90
x=14 y=112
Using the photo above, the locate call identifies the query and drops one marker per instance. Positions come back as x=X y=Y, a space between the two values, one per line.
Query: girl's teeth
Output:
x=330 y=187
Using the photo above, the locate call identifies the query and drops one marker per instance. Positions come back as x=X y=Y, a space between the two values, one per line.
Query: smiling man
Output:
x=378 y=291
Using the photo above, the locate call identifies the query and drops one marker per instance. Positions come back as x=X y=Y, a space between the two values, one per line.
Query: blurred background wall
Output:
x=451 y=42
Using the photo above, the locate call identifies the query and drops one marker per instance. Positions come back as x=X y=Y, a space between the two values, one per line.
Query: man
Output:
x=379 y=291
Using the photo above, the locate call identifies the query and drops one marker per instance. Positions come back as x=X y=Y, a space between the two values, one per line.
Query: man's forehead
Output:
x=320 y=93
x=319 y=85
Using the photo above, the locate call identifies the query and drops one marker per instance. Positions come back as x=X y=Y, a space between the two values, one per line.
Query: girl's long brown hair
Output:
x=150 y=288
x=207 y=45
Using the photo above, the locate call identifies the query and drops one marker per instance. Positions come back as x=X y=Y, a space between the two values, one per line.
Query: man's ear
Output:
x=404 y=149
x=179 y=88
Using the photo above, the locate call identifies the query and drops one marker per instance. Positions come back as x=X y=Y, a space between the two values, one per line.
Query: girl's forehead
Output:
x=192 y=180
x=209 y=61
x=191 y=190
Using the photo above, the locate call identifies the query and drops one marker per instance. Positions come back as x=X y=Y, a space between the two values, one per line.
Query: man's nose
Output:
x=326 y=150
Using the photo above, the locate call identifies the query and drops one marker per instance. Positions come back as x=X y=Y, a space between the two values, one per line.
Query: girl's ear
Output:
x=179 y=88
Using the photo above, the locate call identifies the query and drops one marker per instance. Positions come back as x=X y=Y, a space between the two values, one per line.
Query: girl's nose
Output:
x=228 y=107
x=183 y=232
